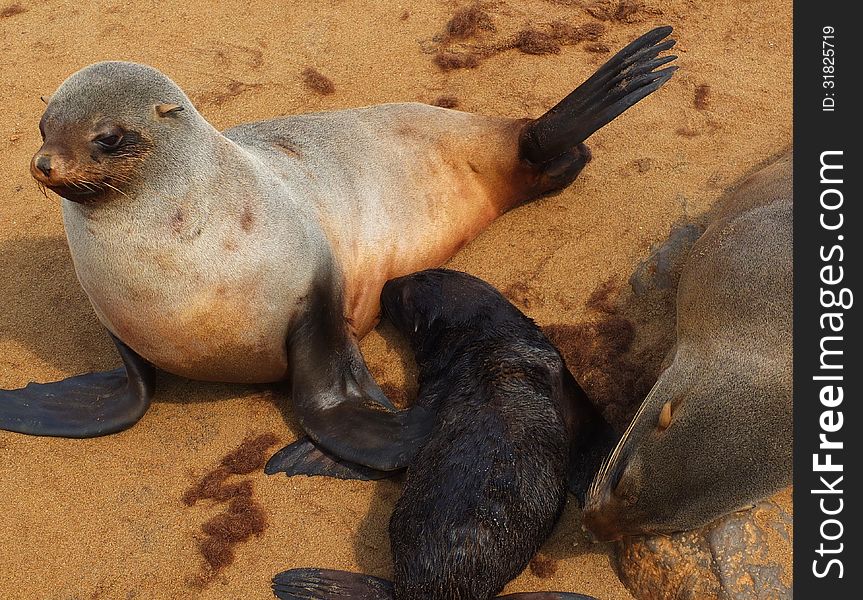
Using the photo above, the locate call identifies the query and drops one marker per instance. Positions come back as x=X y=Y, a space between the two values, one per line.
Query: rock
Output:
x=746 y=555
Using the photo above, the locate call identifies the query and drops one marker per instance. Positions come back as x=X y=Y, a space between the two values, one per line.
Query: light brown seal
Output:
x=259 y=254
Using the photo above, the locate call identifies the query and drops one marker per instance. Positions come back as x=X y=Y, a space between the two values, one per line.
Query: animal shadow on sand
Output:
x=45 y=309
x=47 y=312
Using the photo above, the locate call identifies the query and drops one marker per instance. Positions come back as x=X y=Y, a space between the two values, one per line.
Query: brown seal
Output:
x=259 y=254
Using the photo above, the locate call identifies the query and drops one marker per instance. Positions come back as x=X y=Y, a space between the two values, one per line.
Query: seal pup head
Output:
x=104 y=122
x=430 y=303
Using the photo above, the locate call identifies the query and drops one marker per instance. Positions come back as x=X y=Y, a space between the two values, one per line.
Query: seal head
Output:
x=101 y=124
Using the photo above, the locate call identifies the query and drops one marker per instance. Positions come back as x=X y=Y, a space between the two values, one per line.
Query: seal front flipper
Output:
x=304 y=458
x=85 y=405
x=336 y=399
x=323 y=584
x=343 y=417
x=552 y=141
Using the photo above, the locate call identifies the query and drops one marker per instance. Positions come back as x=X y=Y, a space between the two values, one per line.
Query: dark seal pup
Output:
x=487 y=487
x=258 y=255
x=714 y=434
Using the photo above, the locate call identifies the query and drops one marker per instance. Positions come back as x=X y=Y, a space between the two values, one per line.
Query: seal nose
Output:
x=601 y=526
x=43 y=163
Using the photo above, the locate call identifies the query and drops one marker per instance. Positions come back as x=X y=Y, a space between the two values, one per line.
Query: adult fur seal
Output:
x=715 y=432
x=487 y=487
x=258 y=255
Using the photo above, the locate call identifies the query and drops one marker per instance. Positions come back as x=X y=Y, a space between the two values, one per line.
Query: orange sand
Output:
x=104 y=518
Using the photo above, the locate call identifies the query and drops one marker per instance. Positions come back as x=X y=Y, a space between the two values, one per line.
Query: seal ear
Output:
x=168 y=110
x=664 y=416
x=45 y=99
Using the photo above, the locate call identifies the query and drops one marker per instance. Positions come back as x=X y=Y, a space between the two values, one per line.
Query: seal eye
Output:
x=625 y=489
x=110 y=141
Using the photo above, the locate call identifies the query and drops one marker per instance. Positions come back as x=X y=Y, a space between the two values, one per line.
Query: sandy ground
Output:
x=104 y=518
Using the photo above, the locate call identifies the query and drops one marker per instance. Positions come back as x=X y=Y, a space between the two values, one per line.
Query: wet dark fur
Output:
x=486 y=489
x=488 y=486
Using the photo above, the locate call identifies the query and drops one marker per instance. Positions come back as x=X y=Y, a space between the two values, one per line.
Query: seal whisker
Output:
x=42 y=188
x=119 y=177
x=600 y=479
x=119 y=191
x=87 y=185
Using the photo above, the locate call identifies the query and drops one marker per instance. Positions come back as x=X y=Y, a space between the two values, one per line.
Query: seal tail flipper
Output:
x=545 y=596
x=552 y=141
x=326 y=584
x=304 y=458
x=84 y=406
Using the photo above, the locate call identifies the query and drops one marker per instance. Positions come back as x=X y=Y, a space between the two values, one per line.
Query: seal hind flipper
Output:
x=304 y=458
x=83 y=406
x=625 y=79
x=327 y=584
x=323 y=584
